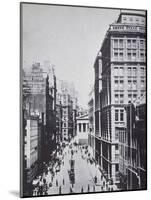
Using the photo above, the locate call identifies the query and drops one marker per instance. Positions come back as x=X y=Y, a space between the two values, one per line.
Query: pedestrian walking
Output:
x=40 y=187
x=63 y=181
x=70 y=190
x=50 y=184
x=95 y=179
x=88 y=188
x=82 y=189
x=56 y=183
x=93 y=188
x=103 y=184
x=60 y=190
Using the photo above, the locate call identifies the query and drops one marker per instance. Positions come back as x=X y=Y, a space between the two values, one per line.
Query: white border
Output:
x=9 y=98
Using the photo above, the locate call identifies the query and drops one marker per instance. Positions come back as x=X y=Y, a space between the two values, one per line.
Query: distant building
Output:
x=81 y=111
x=82 y=129
x=123 y=80
x=68 y=98
x=39 y=97
x=34 y=79
x=50 y=140
x=67 y=126
x=59 y=111
x=91 y=134
x=31 y=156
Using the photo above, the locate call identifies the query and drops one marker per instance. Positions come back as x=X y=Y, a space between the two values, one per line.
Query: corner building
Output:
x=123 y=81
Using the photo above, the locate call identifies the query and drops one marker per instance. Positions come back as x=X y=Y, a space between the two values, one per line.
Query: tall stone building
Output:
x=58 y=117
x=132 y=147
x=68 y=99
x=123 y=80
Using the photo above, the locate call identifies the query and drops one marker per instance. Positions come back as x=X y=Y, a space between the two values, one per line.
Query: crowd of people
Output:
x=48 y=177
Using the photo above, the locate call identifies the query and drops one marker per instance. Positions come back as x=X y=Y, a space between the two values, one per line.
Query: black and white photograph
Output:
x=83 y=99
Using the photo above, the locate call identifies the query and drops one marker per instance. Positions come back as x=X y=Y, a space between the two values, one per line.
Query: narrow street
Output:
x=73 y=172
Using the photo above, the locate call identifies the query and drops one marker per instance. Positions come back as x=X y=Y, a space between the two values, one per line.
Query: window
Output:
x=129 y=98
x=129 y=71
x=133 y=43
x=134 y=96
x=142 y=71
x=117 y=135
x=134 y=56
x=116 y=147
x=115 y=55
x=121 y=71
x=142 y=56
x=129 y=84
x=121 y=98
x=129 y=56
x=116 y=167
x=121 y=84
x=115 y=71
x=116 y=98
x=142 y=83
x=116 y=84
x=142 y=44
x=128 y=43
x=115 y=43
x=120 y=43
x=116 y=115
x=121 y=115
x=134 y=71
x=134 y=84
x=121 y=56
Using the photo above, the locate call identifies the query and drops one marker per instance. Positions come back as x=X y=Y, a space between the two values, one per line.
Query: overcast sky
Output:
x=70 y=37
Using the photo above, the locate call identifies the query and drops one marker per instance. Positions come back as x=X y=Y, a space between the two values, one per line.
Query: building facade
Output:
x=67 y=116
x=97 y=106
x=132 y=147
x=67 y=98
x=39 y=97
x=82 y=129
x=141 y=136
x=123 y=80
x=59 y=111
x=31 y=154
x=91 y=134
x=50 y=131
